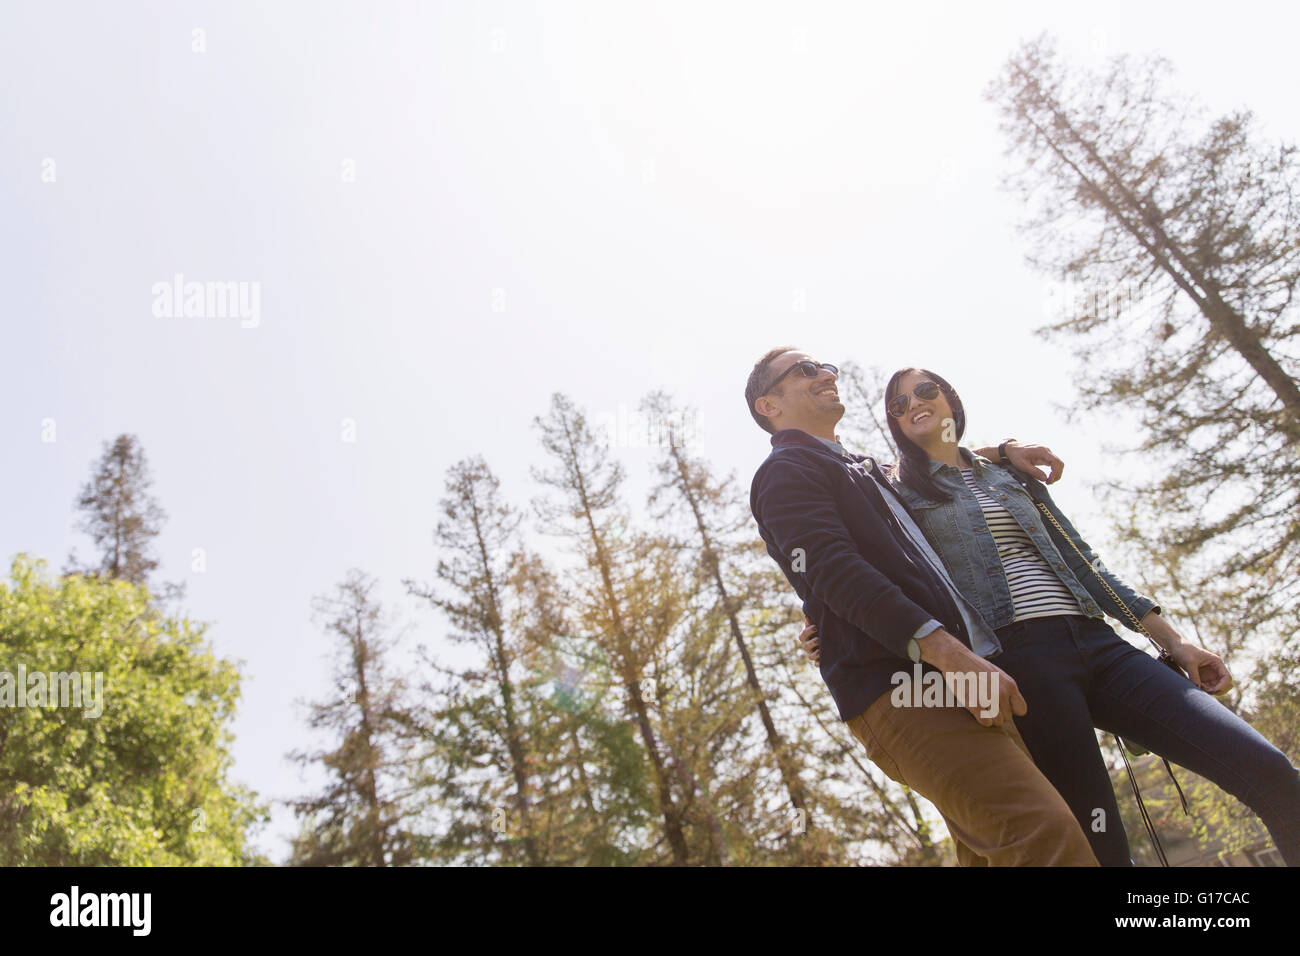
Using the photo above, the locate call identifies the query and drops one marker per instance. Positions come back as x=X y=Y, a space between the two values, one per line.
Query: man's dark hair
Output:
x=757 y=384
x=914 y=462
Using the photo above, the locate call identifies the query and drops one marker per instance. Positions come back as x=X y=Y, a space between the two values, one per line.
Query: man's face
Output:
x=798 y=401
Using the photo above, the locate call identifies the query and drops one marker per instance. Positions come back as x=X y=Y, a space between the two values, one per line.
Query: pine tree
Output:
x=590 y=513
x=715 y=518
x=120 y=515
x=478 y=540
x=519 y=754
x=362 y=816
x=1181 y=236
x=595 y=796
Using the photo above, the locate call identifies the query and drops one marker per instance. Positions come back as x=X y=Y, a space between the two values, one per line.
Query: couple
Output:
x=966 y=567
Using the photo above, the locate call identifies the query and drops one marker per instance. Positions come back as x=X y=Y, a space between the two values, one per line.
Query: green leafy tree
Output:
x=137 y=775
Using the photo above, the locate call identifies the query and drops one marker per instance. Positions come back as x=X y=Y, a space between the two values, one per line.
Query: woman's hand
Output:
x=1207 y=671
x=808 y=640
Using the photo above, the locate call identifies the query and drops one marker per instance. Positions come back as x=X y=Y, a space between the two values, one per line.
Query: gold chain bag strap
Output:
x=1163 y=657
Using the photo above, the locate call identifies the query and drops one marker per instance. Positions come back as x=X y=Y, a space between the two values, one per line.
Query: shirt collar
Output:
x=832 y=445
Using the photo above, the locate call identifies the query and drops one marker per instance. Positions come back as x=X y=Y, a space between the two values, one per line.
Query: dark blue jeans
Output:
x=1075 y=674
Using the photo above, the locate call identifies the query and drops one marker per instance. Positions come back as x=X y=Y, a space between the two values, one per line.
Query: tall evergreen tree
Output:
x=590 y=513
x=519 y=755
x=1181 y=236
x=119 y=514
x=595 y=794
x=362 y=817
x=715 y=517
x=479 y=541
x=519 y=750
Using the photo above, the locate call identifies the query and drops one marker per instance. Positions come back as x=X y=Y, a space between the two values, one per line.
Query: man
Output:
x=883 y=602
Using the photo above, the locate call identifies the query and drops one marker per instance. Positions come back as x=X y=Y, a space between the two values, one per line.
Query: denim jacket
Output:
x=958 y=531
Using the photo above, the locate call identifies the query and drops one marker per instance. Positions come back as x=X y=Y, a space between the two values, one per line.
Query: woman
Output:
x=1045 y=602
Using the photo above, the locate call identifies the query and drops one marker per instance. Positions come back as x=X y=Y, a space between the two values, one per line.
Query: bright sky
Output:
x=450 y=211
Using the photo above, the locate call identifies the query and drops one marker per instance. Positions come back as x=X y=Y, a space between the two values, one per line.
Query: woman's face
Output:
x=925 y=418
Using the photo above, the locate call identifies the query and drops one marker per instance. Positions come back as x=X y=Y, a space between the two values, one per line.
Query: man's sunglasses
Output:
x=899 y=403
x=809 y=368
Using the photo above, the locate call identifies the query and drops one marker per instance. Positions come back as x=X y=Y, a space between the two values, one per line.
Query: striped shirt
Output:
x=1036 y=591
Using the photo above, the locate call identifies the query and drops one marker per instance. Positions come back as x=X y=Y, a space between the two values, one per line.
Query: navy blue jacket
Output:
x=863 y=582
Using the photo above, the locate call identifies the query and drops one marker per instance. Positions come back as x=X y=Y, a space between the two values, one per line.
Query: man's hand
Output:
x=956 y=660
x=1207 y=671
x=1029 y=458
x=808 y=641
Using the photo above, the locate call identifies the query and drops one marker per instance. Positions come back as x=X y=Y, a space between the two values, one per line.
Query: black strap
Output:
x=1181 y=796
x=1142 y=807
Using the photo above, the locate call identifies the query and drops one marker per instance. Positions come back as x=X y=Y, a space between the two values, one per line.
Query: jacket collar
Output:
x=977 y=461
x=788 y=437
x=797 y=436
x=794 y=436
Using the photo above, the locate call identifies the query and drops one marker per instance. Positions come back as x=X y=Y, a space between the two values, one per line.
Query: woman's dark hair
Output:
x=914 y=463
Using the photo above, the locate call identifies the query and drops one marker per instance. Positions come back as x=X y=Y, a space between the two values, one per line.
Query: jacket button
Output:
x=1059 y=566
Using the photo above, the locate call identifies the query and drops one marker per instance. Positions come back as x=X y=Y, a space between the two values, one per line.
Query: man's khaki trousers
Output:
x=999 y=807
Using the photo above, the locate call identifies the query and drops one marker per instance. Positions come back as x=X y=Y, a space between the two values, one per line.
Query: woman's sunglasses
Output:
x=899 y=403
